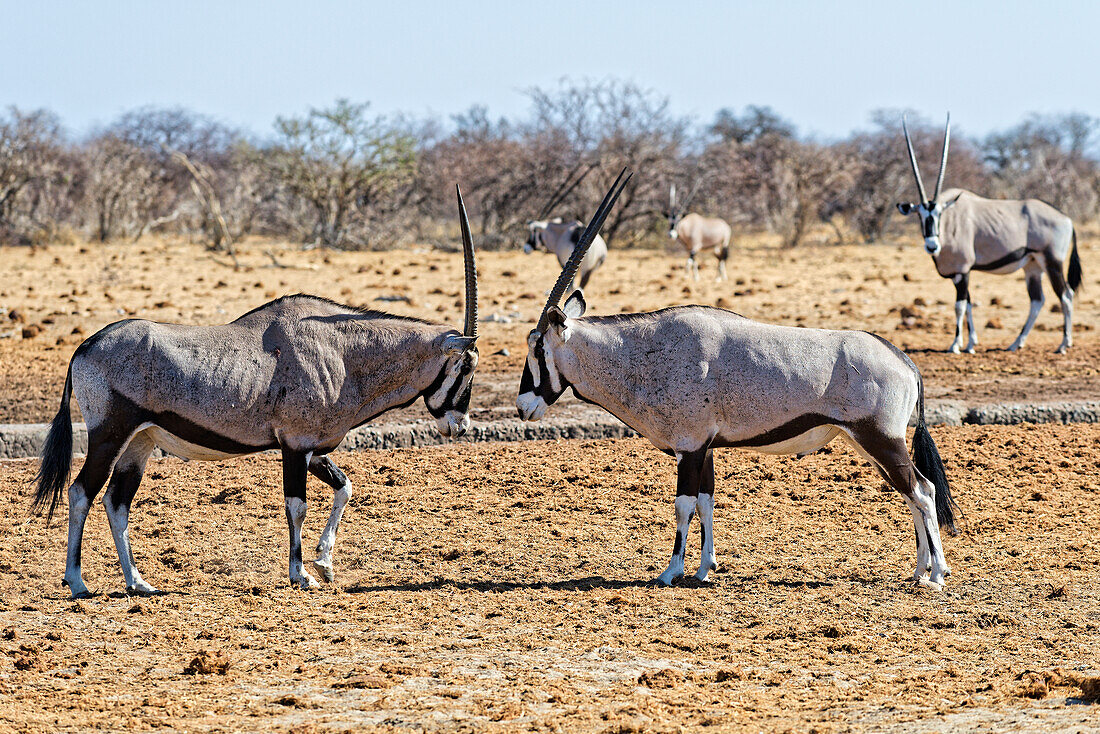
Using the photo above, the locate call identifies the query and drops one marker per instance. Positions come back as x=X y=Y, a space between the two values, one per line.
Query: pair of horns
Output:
x=916 y=169
x=565 y=189
x=470 y=327
x=672 y=208
x=581 y=249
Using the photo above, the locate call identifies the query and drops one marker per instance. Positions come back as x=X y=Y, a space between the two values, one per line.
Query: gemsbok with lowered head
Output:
x=295 y=375
x=697 y=233
x=964 y=232
x=694 y=378
x=560 y=237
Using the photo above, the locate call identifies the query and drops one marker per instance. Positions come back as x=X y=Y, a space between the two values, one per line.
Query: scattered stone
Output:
x=30 y=332
x=502 y=353
x=664 y=678
x=994 y=323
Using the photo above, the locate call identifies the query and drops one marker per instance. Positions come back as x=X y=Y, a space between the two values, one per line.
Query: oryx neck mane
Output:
x=369 y=313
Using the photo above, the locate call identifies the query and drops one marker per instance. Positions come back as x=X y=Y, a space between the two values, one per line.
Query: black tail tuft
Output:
x=1074 y=276
x=927 y=459
x=57 y=457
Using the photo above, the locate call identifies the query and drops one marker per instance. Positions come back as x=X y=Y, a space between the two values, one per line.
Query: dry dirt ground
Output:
x=60 y=295
x=502 y=587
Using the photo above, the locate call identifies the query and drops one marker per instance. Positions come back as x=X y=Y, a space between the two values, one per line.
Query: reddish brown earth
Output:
x=61 y=295
x=501 y=587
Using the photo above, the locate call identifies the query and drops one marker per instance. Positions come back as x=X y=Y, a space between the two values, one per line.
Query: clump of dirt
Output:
x=663 y=678
x=208 y=663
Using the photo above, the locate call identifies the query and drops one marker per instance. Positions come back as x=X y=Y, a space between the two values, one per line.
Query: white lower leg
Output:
x=972 y=341
x=1067 y=320
x=685 y=508
x=960 y=318
x=78 y=513
x=328 y=537
x=1036 y=307
x=118 y=518
x=707 y=561
x=296 y=517
x=722 y=270
x=923 y=558
x=924 y=498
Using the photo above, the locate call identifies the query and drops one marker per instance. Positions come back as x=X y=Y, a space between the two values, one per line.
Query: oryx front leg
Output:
x=1034 y=275
x=689 y=467
x=963 y=314
x=116 y=501
x=705 y=507
x=324 y=469
x=295 y=466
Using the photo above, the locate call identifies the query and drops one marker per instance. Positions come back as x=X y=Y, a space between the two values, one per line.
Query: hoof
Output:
x=325 y=570
x=1061 y=350
x=970 y=350
x=306 y=582
x=82 y=595
x=1014 y=347
x=144 y=590
x=928 y=584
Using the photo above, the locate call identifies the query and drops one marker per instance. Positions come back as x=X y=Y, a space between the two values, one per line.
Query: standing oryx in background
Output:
x=295 y=374
x=697 y=233
x=559 y=237
x=694 y=378
x=964 y=232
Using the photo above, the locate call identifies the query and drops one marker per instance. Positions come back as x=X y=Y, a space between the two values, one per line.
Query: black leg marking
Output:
x=678 y=546
x=295 y=470
x=690 y=473
x=962 y=288
x=1035 y=287
x=1057 y=280
x=324 y=469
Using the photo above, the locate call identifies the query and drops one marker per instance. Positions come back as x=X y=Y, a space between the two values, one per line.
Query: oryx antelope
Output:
x=560 y=237
x=295 y=374
x=964 y=232
x=694 y=378
x=697 y=233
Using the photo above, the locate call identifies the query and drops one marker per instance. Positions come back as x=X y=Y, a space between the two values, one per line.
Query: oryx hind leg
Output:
x=689 y=471
x=889 y=455
x=295 y=470
x=1033 y=274
x=106 y=441
x=705 y=508
x=1065 y=296
x=324 y=469
x=125 y=480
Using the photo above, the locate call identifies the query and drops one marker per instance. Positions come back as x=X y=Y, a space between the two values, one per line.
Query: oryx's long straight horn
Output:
x=470 y=327
x=583 y=244
x=672 y=200
x=564 y=190
x=913 y=161
x=943 y=158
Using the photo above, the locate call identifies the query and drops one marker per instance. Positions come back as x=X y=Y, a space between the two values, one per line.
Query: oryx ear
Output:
x=952 y=203
x=575 y=305
x=556 y=317
x=905 y=207
x=457 y=343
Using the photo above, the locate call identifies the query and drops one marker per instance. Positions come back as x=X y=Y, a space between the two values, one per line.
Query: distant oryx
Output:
x=295 y=374
x=964 y=232
x=696 y=233
x=560 y=237
x=694 y=378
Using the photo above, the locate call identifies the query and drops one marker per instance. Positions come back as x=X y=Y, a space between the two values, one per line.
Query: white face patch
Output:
x=932 y=245
x=672 y=234
x=453 y=424
x=435 y=400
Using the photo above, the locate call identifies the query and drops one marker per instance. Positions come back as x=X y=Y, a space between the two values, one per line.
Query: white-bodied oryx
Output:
x=560 y=237
x=694 y=378
x=295 y=374
x=964 y=232
x=697 y=233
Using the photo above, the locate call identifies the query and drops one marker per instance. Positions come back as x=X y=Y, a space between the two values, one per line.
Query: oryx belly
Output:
x=172 y=444
x=805 y=443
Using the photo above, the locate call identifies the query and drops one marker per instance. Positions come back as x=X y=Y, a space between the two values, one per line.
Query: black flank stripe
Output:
x=1014 y=256
x=785 y=432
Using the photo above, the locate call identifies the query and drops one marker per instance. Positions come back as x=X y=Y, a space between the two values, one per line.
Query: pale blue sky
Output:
x=824 y=66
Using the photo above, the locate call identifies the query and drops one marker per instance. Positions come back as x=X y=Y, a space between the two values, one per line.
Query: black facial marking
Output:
x=575 y=235
x=931 y=228
x=1012 y=257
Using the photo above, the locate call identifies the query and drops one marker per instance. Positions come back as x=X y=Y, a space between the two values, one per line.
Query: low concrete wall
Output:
x=21 y=441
